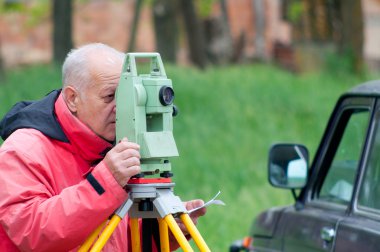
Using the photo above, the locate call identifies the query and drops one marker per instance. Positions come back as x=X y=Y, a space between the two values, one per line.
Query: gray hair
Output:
x=76 y=67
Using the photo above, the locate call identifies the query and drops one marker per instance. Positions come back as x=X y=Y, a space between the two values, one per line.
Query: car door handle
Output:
x=327 y=234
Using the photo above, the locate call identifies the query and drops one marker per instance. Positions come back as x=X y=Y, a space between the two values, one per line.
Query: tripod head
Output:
x=144 y=112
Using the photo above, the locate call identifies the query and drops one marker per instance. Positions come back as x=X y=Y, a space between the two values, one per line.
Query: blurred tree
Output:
x=318 y=24
x=227 y=37
x=259 y=11
x=2 y=70
x=135 y=22
x=5 y=6
x=62 y=29
x=314 y=21
x=218 y=40
x=208 y=38
x=329 y=21
x=195 y=34
x=351 y=39
x=166 y=28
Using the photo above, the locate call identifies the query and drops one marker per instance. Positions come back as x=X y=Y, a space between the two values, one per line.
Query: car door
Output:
x=312 y=225
x=360 y=230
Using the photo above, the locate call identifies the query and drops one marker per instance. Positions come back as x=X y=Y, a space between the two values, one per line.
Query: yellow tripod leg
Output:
x=135 y=235
x=90 y=240
x=185 y=218
x=99 y=244
x=164 y=235
x=181 y=239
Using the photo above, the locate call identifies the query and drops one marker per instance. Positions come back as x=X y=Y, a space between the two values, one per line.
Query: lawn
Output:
x=229 y=117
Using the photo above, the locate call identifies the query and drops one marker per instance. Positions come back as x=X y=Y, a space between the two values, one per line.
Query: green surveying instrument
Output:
x=144 y=114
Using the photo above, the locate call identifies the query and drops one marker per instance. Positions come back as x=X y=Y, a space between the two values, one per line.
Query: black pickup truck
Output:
x=337 y=197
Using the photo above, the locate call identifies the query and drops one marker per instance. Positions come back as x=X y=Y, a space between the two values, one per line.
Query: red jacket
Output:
x=46 y=202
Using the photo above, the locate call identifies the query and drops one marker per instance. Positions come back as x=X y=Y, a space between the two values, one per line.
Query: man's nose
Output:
x=114 y=105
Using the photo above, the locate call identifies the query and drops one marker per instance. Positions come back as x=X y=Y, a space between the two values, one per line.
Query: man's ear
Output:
x=71 y=96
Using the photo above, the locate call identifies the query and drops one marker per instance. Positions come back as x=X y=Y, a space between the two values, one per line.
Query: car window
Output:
x=369 y=194
x=338 y=184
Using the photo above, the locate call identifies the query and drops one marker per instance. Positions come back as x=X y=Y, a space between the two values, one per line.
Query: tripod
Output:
x=149 y=199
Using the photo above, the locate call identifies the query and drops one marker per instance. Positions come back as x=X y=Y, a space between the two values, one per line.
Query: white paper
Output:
x=210 y=202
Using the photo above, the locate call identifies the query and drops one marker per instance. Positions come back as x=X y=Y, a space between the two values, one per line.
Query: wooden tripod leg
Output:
x=135 y=235
x=185 y=218
x=164 y=235
x=180 y=237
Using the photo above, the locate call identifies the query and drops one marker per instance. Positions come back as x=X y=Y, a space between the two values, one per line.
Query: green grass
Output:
x=27 y=84
x=229 y=117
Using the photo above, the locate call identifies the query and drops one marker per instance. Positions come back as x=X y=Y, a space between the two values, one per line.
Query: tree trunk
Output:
x=259 y=10
x=62 y=37
x=318 y=14
x=352 y=38
x=218 y=40
x=135 y=22
x=166 y=28
x=2 y=70
x=195 y=36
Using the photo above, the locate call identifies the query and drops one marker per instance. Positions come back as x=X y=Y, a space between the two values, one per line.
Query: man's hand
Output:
x=194 y=204
x=194 y=217
x=124 y=161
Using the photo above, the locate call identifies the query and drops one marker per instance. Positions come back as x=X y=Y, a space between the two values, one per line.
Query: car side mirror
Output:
x=288 y=166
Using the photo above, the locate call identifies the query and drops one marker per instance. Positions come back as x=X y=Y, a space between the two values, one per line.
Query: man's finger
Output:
x=123 y=145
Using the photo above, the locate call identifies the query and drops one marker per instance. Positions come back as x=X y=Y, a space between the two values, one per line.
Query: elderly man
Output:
x=60 y=175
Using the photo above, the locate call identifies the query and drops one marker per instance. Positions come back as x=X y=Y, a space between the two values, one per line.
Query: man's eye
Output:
x=109 y=98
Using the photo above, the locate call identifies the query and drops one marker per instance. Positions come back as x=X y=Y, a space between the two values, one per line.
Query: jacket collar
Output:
x=83 y=140
x=37 y=115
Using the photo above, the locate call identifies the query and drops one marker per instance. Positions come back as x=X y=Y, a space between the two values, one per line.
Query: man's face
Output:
x=96 y=105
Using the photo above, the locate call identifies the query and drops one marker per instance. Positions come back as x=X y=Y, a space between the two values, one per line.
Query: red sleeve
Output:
x=36 y=219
